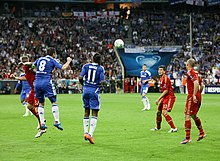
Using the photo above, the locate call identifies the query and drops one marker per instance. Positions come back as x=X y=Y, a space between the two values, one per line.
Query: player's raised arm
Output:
x=20 y=78
x=66 y=65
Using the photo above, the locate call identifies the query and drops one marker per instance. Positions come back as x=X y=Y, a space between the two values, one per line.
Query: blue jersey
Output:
x=24 y=84
x=44 y=67
x=144 y=76
x=93 y=74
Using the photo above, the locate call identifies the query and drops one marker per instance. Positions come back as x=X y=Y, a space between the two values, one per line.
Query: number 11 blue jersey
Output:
x=93 y=74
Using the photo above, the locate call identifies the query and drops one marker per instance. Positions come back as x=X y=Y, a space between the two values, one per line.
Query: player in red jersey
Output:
x=166 y=101
x=193 y=102
x=32 y=100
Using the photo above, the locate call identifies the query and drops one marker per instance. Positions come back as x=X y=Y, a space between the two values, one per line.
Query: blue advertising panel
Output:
x=134 y=58
x=212 y=89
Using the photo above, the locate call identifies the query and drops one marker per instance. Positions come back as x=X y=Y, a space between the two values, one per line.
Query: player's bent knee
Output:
x=95 y=112
x=194 y=117
x=29 y=106
x=158 y=113
x=164 y=112
x=187 y=117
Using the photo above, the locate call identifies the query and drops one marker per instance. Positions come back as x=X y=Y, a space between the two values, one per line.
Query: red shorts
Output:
x=192 y=108
x=33 y=100
x=166 y=104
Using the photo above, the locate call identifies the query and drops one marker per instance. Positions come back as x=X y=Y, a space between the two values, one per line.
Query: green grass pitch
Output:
x=122 y=133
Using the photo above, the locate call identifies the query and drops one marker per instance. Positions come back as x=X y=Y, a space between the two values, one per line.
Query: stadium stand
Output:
x=31 y=31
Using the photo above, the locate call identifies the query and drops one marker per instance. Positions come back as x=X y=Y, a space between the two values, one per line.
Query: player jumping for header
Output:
x=43 y=85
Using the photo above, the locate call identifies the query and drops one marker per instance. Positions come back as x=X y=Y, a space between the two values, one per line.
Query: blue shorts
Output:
x=44 y=89
x=24 y=94
x=91 y=98
x=144 y=89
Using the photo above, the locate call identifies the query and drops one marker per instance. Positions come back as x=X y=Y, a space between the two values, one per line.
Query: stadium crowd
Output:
x=81 y=38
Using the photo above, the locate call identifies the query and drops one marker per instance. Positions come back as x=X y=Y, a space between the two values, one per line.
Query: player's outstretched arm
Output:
x=28 y=63
x=66 y=65
x=18 y=78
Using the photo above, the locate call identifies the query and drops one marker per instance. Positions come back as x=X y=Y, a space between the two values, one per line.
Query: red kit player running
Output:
x=32 y=100
x=166 y=101
x=193 y=102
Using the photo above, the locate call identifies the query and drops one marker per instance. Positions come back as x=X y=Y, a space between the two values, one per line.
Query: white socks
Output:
x=26 y=109
x=41 y=114
x=86 y=125
x=56 y=114
x=93 y=123
x=146 y=103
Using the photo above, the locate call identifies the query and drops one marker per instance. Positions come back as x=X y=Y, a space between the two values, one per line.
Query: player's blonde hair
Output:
x=191 y=62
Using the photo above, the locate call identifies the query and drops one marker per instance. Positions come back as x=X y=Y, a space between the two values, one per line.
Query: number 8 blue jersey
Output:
x=93 y=74
x=45 y=66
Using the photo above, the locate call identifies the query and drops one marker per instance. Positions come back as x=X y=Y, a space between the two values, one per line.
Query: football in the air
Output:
x=119 y=43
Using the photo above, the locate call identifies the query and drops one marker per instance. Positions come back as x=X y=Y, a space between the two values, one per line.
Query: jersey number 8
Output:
x=42 y=65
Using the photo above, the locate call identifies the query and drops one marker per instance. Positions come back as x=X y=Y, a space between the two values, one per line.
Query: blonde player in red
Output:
x=193 y=102
x=166 y=101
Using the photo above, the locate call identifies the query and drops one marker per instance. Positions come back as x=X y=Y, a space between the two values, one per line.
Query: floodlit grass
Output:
x=122 y=133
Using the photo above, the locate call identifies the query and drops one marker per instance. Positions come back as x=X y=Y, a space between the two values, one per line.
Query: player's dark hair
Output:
x=51 y=51
x=145 y=65
x=97 y=58
x=163 y=67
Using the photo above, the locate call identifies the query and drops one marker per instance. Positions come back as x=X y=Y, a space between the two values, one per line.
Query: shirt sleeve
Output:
x=102 y=74
x=193 y=76
x=58 y=65
x=149 y=75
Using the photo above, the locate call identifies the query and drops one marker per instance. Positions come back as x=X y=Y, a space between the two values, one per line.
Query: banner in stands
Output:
x=212 y=89
x=213 y=2
x=100 y=14
x=172 y=2
x=133 y=58
x=190 y=2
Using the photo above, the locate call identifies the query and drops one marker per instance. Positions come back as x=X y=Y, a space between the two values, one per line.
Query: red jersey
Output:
x=29 y=75
x=165 y=84
x=192 y=76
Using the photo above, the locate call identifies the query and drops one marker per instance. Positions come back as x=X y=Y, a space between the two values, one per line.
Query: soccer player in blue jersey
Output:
x=91 y=76
x=145 y=77
x=25 y=89
x=43 y=85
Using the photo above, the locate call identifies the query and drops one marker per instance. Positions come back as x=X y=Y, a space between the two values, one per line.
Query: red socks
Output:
x=35 y=112
x=199 y=125
x=188 y=128
x=169 y=121
x=158 y=121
